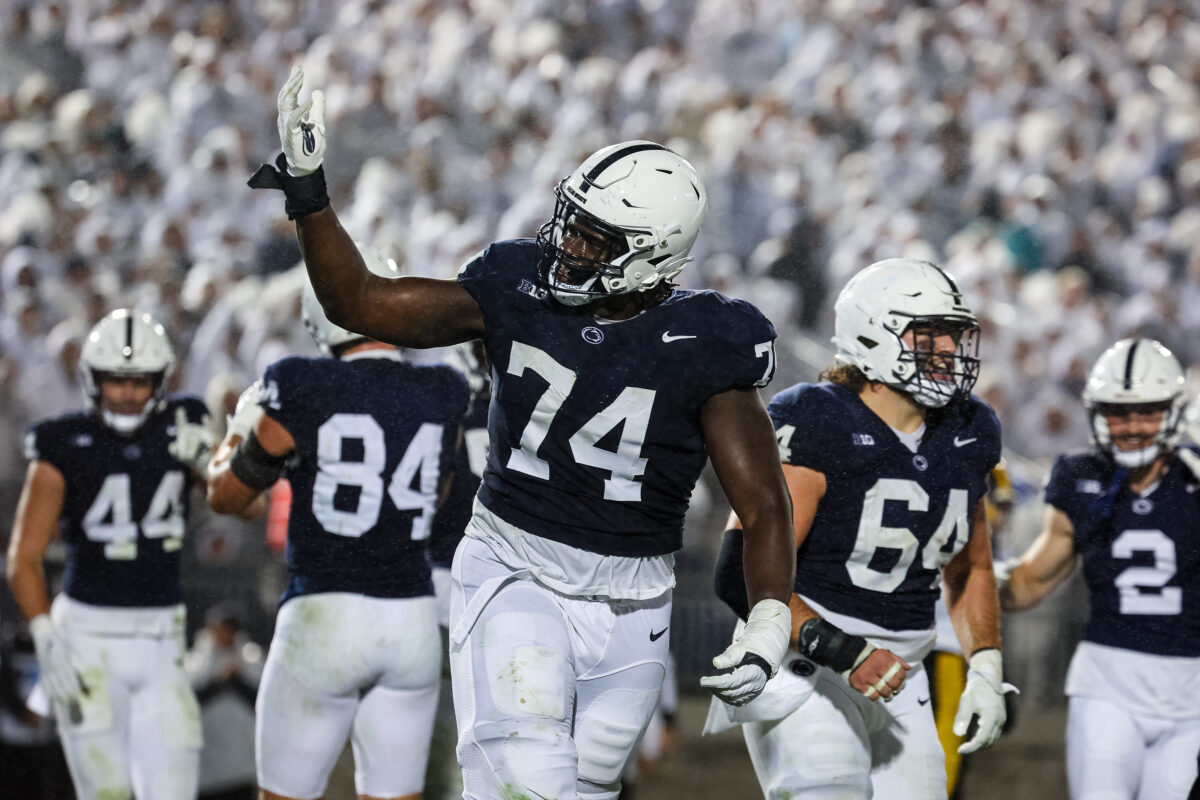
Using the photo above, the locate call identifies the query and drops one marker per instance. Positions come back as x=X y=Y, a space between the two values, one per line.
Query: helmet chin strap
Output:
x=1136 y=458
x=124 y=424
x=927 y=392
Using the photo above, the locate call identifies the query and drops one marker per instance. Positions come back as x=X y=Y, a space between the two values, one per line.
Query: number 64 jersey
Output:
x=594 y=425
x=890 y=518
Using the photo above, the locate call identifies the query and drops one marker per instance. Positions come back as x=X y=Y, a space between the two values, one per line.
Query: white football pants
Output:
x=346 y=665
x=839 y=745
x=1115 y=755
x=551 y=691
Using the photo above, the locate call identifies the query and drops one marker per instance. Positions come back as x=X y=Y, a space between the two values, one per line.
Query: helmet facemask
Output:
x=582 y=256
x=126 y=424
x=1166 y=437
x=936 y=373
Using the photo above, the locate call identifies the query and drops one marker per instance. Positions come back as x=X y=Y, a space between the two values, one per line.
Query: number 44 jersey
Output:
x=374 y=436
x=594 y=426
x=890 y=518
x=124 y=508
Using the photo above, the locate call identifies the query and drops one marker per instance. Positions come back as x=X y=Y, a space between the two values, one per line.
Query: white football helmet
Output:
x=639 y=206
x=124 y=344
x=470 y=359
x=883 y=301
x=1136 y=372
x=330 y=337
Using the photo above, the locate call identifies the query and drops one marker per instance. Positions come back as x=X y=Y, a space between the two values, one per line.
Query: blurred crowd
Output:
x=1047 y=154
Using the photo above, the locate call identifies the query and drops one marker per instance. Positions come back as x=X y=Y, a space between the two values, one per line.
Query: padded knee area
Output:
x=608 y=730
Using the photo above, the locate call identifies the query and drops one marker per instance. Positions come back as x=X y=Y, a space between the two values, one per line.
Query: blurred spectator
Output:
x=224 y=667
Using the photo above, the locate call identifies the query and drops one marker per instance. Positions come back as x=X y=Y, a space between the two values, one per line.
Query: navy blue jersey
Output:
x=124 y=507
x=890 y=518
x=469 y=460
x=373 y=437
x=1141 y=553
x=594 y=426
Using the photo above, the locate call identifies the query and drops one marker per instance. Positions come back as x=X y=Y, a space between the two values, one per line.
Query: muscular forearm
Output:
x=338 y=274
x=27 y=580
x=770 y=554
x=975 y=611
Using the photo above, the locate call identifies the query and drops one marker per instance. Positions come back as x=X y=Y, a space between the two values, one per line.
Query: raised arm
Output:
x=1046 y=564
x=409 y=312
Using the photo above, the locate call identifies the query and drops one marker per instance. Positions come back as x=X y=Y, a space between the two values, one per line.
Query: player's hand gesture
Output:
x=56 y=663
x=193 y=442
x=246 y=413
x=754 y=656
x=880 y=674
x=301 y=127
x=983 y=698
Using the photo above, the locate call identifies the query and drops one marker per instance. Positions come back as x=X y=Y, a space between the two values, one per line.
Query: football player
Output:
x=612 y=389
x=1129 y=509
x=887 y=460
x=365 y=440
x=114 y=482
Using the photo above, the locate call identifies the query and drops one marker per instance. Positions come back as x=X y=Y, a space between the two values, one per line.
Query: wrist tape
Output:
x=302 y=194
x=830 y=646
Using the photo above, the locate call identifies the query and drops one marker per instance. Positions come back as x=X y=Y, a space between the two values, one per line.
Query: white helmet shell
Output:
x=126 y=343
x=647 y=200
x=1136 y=372
x=329 y=337
x=880 y=303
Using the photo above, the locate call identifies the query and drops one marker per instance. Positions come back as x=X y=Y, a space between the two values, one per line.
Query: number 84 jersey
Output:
x=594 y=426
x=890 y=518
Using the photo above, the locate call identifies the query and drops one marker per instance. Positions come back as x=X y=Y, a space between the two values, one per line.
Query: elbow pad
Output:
x=729 y=580
x=254 y=466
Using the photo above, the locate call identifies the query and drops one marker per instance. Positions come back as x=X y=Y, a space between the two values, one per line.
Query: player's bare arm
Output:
x=232 y=488
x=877 y=674
x=407 y=312
x=742 y=448
x=1047 y=563
x=970 y=583
x=37 y=518
x=410 y=311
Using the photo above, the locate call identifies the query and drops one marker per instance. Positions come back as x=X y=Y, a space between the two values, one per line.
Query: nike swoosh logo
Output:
x=654 y=637
x=962 y=442
x=667 y=337
x=921 y=702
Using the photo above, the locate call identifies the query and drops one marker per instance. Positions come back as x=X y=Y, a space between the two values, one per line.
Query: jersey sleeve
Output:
x=44 y=442
x=1059 y=490
x=805 y=428
x=746 y=359
x=503 y=280
x=285 y=394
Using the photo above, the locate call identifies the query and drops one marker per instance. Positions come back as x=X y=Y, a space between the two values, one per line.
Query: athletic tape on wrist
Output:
x=829 y=645
x=302 y=194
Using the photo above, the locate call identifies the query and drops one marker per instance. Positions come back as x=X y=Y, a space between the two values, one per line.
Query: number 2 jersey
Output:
x=374 y=435
x=890 y=518
x=594 y=426
x=1141 y=553
x=124 y=507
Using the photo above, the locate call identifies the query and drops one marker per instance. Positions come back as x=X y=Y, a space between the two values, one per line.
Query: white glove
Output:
x=56 y=663
x=193 y=443
x=246 y=413
x=983 y=697
x=764 y=640
x=301 y=128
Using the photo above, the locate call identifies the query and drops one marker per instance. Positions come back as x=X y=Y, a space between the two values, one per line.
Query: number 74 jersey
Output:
x=890 y=518
x=594 y=426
